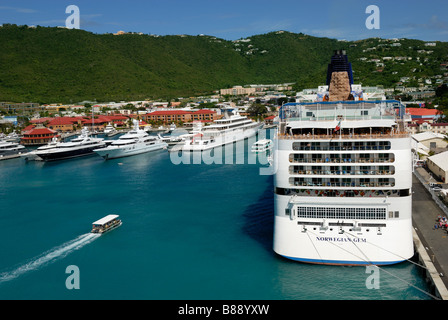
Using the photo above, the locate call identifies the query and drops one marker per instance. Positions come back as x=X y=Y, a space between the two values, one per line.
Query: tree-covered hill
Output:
x=59 y=65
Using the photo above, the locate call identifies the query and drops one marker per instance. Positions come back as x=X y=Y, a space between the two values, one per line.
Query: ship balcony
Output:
x=342 y=170
x=343 y=136
x=343 y=182
x=342 y=158
x=341 y=146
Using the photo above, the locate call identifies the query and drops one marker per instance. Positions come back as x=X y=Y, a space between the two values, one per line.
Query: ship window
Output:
x=384 y=145
x=320 y=212
x=343 y=213
x=340 y=213
x=311 y=212
x=331 y=212
x=350 y=213
x=301 y=212
x=396 y=214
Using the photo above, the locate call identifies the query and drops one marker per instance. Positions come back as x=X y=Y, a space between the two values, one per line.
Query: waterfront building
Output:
x=38 y=136
x=65 y=124
x=170 y=116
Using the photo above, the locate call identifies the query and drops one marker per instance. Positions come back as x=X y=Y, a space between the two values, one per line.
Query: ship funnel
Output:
x=339 y=77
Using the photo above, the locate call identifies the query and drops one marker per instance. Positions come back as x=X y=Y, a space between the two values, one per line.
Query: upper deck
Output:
x=343 y=120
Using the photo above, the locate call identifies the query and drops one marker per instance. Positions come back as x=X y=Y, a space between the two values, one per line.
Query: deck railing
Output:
x=343 y=136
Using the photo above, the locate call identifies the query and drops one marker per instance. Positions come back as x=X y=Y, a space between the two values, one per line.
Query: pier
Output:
x=430 y=244
x=13 y=156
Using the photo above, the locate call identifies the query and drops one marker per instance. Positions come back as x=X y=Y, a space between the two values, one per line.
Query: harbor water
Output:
x=190 y=231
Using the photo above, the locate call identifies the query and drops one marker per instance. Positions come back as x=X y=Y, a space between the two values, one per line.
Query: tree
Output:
x=256 y=109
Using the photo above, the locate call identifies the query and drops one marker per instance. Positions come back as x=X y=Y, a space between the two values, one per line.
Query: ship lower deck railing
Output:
x=342 y=136
x=355 y=184
x=341 y=172
x=295 y=158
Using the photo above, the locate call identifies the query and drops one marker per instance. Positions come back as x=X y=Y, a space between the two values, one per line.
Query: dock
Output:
x=10 y=157
x=431 y=244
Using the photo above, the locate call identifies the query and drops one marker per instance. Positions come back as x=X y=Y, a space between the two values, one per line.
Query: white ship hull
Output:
x=113 y=152
x=221 y=139
x=341 y=242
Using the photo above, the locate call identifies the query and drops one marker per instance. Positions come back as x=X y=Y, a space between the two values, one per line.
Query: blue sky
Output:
x=235 y=19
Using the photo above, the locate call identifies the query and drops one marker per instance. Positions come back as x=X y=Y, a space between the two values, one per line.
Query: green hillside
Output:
x=58 y=65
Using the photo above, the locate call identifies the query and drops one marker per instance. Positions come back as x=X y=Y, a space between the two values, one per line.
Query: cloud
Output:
x=433 y=24
x=20 y=10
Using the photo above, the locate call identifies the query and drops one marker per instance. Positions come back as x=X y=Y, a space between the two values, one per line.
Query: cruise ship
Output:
x=343 y=181
x=232 y=128
x=83 y=145
x=134 y=142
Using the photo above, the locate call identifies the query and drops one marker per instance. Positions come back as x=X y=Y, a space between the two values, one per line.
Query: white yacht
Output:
x=227 y=130
x=10 y=149
x=134 y=142
x=83 y=145
x=32 y=154
x=343 y=181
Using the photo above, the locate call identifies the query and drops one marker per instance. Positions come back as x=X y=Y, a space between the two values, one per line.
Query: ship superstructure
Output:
x=344 y=177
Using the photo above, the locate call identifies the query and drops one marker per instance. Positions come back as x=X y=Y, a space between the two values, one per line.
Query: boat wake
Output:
x=50 y=256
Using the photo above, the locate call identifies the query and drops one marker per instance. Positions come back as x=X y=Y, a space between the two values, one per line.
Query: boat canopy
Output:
x=106 y=219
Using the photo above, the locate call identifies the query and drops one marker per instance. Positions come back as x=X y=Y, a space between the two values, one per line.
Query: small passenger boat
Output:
x=106 y=224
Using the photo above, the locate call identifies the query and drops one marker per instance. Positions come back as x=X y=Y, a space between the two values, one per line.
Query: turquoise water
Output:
x=189 y=232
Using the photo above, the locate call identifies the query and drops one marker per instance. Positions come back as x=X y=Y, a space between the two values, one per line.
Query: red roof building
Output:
x=38 y=136
x=170 y=116
x=69 y=124
x=423 y=114
x=65 y=123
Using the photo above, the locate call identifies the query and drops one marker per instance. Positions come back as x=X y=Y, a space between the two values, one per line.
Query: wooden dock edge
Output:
x=432 y=274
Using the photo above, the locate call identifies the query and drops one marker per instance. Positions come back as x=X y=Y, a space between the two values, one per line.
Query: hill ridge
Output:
x=49 y=65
